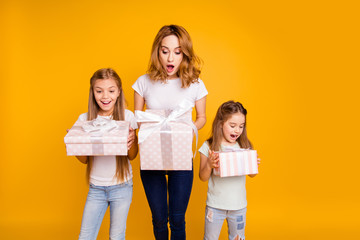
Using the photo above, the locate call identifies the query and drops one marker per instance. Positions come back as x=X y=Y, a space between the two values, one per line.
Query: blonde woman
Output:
x=173 y=76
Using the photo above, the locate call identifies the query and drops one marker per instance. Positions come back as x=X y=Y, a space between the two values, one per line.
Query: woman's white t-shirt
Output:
x=169 y=94
x=228 y=193
x=103 y=171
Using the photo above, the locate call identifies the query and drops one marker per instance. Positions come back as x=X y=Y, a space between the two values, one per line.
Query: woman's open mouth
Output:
x=170 y=68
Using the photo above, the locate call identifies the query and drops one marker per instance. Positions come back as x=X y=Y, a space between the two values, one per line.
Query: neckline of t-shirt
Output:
x=172 y=80
x=108 y=117
x=236 y=145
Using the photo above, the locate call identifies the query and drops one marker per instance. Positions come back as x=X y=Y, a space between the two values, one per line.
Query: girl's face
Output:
x=170 y=55
x=106 y=93
x=233 y=128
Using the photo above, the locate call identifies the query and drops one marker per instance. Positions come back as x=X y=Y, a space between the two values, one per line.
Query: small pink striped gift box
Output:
x=169 y=149
x=102 y=143
x=237 y=163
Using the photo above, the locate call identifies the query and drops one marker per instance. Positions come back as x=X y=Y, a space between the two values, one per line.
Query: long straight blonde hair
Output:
x=122 y=164
x=222 y=115
x=189 y=69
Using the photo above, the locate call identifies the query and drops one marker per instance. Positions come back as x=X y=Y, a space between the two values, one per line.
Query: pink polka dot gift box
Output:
x=165 y=139
x=99 y=137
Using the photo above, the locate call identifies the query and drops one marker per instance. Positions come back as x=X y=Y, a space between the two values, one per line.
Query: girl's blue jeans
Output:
x=214 y=219
x=178 y=186
x=118 y=197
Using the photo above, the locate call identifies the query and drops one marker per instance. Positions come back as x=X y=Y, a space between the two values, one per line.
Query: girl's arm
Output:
x=207 y=164
x=200 y=106
x=132 y=144
x=83 y=159
x=139 y=101
x=258 y=163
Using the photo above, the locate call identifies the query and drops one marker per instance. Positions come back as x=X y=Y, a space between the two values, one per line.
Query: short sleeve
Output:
x=83 y=117
x=129 y=116
x=139 y=85
x=204 y=149
x=201 y=91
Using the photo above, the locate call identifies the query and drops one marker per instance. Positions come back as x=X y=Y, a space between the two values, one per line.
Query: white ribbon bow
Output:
x=159 y=121
x=100 y=124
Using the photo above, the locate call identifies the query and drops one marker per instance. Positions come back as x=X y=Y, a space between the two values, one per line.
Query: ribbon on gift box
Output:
x=97 y=128
x=162 y=123
x=100 y=124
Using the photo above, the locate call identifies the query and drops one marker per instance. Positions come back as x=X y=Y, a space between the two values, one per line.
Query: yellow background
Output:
x=293 y=64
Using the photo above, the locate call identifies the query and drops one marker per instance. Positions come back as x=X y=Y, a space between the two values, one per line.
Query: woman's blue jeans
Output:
x=178 y=186
x=99 y=198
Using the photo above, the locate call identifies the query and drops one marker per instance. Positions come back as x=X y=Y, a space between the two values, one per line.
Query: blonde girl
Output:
x=173 y=76
x=110 y=177
x=226 y=197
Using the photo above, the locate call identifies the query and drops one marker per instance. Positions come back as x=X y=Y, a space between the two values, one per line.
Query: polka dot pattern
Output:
x=178 y=149
x=81 y=143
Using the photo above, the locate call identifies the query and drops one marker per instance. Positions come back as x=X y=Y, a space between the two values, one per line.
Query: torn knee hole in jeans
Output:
x=209 y=215
x=237 y=237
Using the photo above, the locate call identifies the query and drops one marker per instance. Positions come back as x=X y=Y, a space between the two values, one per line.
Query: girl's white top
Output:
x=228 y=193
x=167 y=95
x=103 y=171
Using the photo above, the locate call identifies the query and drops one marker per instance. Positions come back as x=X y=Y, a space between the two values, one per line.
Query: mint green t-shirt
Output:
x=228 y=193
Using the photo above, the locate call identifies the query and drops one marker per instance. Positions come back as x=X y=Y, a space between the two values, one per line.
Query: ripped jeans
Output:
x=214 y=219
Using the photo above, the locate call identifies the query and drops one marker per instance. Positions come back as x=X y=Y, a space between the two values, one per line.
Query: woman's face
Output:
x=170 y=55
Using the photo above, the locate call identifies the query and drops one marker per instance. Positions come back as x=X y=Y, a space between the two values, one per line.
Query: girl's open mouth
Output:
x=233 y=136
x=106 y=103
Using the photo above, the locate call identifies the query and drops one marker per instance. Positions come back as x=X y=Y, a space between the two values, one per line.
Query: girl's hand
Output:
x=258 y=163
x=131 y=138
x=213 y=159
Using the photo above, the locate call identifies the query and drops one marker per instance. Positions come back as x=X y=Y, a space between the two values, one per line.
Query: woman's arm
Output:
x=200 y=106
x=139 y=102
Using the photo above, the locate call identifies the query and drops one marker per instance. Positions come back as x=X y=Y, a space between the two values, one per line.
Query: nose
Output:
x=170 y=57
x=105 y=94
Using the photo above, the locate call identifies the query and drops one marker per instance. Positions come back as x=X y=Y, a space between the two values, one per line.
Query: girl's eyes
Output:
x=233 y=126
x=177 y=53
x=111 y=91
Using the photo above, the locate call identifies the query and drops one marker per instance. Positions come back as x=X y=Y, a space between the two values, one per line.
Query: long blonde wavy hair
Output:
x=122 y=164
x=189 y=69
